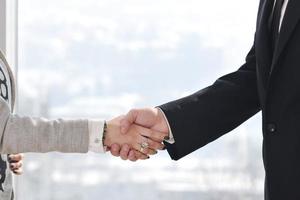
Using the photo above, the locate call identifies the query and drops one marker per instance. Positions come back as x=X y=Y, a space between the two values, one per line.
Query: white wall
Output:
x=9 y=30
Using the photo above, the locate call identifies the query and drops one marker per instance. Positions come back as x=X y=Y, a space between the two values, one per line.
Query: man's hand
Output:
x=16 y=163
x=142 y=141
x=151 y=118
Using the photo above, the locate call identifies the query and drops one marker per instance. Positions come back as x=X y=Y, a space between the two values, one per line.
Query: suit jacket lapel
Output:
x=290 y=20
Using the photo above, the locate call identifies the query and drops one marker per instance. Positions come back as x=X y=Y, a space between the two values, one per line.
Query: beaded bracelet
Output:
x=104 y=135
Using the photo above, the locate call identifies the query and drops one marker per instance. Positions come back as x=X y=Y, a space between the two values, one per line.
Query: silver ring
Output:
x=144 y=145
x=142 y=149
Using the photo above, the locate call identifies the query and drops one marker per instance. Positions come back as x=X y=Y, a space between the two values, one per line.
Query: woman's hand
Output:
x=143 y=140
x=152 y=118
x=16 y=163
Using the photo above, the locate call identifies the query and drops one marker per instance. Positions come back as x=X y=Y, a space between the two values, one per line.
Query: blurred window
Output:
x=98 y=59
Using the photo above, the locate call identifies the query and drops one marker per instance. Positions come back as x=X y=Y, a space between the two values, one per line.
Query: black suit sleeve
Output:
x=200 y=118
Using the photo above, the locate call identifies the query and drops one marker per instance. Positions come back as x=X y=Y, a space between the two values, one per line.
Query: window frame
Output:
x=3 y=25
x=9 y=31
x=9 y=45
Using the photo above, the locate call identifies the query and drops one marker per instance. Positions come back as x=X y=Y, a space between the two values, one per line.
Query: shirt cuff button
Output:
x=97 y=140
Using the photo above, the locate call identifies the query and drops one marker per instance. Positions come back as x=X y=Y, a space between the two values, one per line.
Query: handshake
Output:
x=136 y=135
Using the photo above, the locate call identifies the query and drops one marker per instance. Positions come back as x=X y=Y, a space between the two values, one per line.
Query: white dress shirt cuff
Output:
x=96 y=134
x=171 y=137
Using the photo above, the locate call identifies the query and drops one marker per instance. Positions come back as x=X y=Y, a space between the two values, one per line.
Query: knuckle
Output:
x=146 y=151
x=124 y=154
x=132 y=112
x=155 y=145
x=132 y=158
x=116 y=154
x=116 y=151
x=123 y=158
x=139 y=155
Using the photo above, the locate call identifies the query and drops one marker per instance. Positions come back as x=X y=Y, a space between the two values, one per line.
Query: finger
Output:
x=140 y=156
x=155 y=145
x=128 y=119
x=146 y=151
x=15 y=157
x=125 y=125
x=14 y=166
x=115 y=150
x=125 y=151
x=153 y=135
x=18 y=171
x=150 y=151
x=132 y=156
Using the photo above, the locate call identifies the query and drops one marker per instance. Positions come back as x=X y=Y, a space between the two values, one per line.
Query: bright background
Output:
x=99 y=58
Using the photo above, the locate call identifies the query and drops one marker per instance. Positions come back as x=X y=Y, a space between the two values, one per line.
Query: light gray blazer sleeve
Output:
x=26 y=134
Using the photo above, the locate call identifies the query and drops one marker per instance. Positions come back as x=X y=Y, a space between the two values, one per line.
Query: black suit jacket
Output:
x=267 y=81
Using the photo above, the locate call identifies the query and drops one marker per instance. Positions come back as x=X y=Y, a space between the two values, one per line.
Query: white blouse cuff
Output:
x=96 y=135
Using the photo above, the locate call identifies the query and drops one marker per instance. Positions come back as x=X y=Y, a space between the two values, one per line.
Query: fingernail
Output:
x=167 y=138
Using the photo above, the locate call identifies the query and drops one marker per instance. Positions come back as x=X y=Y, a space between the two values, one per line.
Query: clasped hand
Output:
x=138 y=134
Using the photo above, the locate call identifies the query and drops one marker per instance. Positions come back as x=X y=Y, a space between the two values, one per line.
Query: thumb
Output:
x=128 y=120
x=125 y=125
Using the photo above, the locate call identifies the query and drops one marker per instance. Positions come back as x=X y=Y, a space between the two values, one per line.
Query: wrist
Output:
x=111 y=127
x=162 y=121
x=96 y=135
